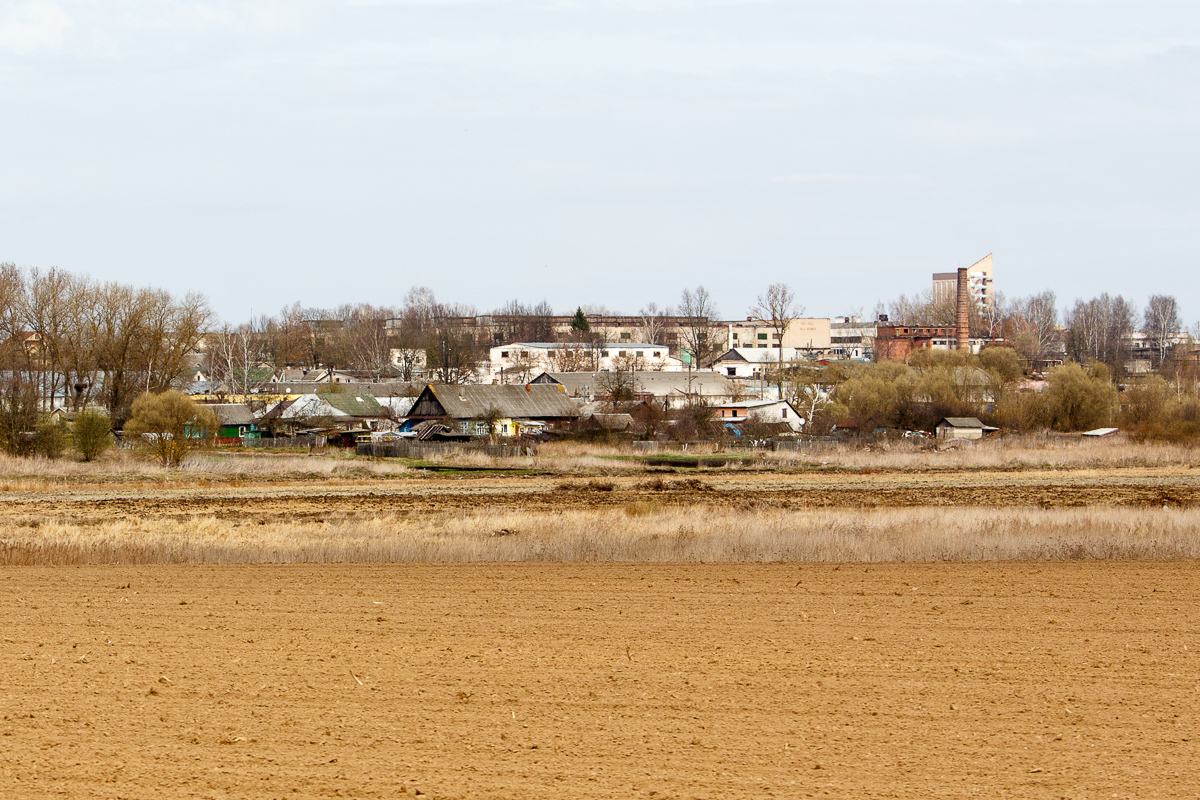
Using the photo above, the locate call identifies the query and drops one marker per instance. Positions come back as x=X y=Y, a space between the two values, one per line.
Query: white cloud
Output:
x=33 y=26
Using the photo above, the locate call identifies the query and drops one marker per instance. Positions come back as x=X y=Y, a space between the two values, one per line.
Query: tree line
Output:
x=88 y=342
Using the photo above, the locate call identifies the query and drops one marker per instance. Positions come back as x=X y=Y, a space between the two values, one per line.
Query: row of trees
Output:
x=86 y=342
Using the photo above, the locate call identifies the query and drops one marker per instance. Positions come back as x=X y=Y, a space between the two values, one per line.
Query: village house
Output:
x=334 y=409
x=775 y=411
x=484 y=410
x=747 y=363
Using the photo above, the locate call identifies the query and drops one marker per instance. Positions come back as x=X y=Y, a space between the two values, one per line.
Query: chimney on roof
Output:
x=963 y=323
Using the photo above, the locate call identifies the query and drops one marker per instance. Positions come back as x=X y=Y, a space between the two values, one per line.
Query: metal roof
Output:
x=962 y=422
x=533 y=401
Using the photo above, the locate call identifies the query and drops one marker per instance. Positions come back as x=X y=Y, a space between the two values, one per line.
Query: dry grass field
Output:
x=1015 y=679
x=1009 y=621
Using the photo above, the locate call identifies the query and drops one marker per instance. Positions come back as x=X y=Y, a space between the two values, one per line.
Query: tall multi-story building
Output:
x=945 y=284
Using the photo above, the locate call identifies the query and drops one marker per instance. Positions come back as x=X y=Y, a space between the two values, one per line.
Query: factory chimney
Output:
x=962 y=319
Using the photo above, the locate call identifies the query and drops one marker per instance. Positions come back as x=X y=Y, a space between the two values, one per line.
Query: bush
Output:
x=51 y=438
x=1003 y=362
x=1080 y=399
x=91 y=434
x=171 y=425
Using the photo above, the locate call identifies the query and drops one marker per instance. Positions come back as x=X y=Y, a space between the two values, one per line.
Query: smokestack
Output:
x=963 y=325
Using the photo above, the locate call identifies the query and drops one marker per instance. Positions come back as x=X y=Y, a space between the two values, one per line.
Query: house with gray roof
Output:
x=472 y=409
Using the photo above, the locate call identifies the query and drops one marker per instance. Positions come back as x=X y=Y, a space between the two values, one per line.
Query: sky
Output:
x=608 y=152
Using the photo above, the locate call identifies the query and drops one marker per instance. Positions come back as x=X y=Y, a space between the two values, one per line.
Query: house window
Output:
x=606 y=354
x=640 y=353
x=504 y=354
x=621 y=352
x=774 y=335
x=785 y=413
x=626 y=336
x=762 y=336
x=480 y=428
x=731 y=370
x=735 y=337
x=464 y=426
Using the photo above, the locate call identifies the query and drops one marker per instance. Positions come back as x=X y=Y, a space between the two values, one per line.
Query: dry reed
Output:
x=642 y=532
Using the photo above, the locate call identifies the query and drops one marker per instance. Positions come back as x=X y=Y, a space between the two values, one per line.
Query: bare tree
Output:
x=1161 y=324
x=1032 y=326
x=654 y=323
x=699 y=314
x=1100 y=329
x=452 y=355
x=777 y=308
x=516 y=322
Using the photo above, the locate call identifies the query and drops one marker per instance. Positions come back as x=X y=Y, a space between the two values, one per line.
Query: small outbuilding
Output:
x=962 y=428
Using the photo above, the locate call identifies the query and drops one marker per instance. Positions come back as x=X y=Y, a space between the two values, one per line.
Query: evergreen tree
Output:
x=579 y=323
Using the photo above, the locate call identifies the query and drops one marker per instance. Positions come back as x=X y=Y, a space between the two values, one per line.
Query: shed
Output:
x=962 y=428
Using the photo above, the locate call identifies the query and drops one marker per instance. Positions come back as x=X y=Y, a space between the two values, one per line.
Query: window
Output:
x=641 y=353
x=785 y=413
x=625 y=335
x=774 y=335
x=735 y=337
x=504 y=354
x=464 y=426
x=731 y=371
x=762 y=336
x=606 y=354
x=621 y=352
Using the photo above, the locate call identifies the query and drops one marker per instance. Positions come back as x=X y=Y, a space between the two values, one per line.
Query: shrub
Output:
x=91 y=434
x=170 y=425
x=51 y=437
x=1079 y=399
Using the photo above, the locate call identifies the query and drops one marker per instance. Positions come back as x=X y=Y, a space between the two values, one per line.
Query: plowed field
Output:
x=1045 y=680
x=1178 y=487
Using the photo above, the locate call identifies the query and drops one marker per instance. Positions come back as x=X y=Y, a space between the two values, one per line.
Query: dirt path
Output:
x=516 y=681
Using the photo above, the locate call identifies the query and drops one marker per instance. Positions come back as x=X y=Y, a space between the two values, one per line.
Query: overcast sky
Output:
x=602 y=152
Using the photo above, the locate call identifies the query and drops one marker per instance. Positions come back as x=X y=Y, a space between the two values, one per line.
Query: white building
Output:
x=980 y=281
x=750 y=363
x=520 y=362
x=761 y=410
x=851 y=338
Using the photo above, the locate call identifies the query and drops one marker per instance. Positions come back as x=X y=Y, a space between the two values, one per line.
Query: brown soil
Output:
x=1176 y=487
x=580 y=681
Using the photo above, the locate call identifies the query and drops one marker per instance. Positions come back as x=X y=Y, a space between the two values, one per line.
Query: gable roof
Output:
x=332 y=404
x=759 y=355
x=354 y=404
x=232 y=413
x=962 y=422
x=533 y=401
